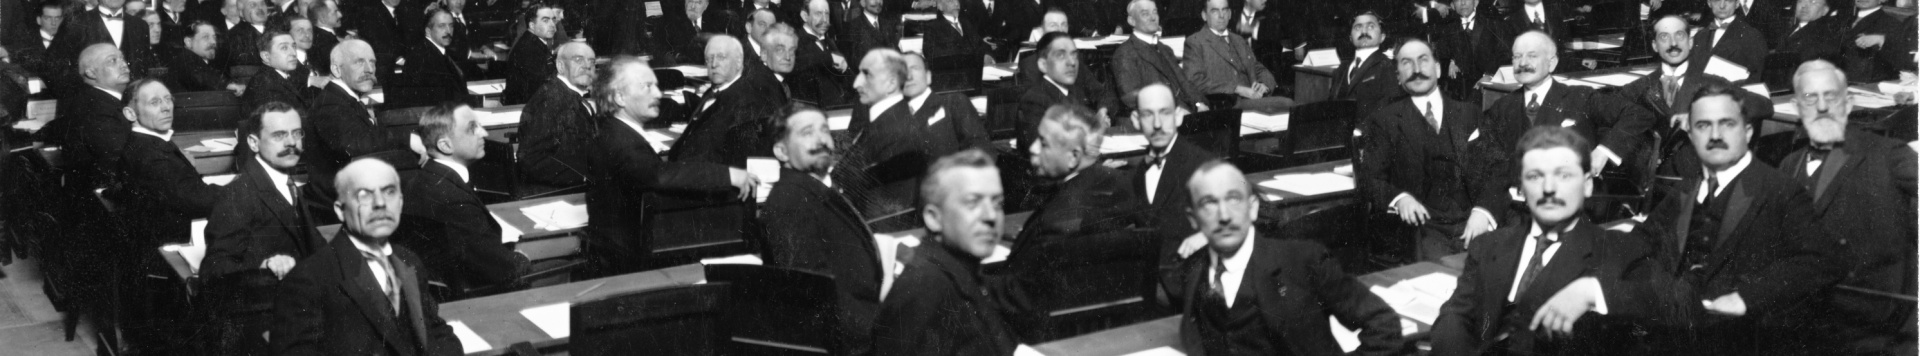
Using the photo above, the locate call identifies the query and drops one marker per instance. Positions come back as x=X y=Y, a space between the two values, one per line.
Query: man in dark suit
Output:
x=951 y=34
x=531 y=60
x=193 y=68
x=1772 y=17
x=86 y=29
x=1667 y=91
x=1220 y=62
x=1731 y=39
x=239 y=44
x=557 y=125
x=1367 y=78
x=887 y=141
x=1812 y=33
x=1873 y=54
x=1527 y=287
x=769 y=80
x=282 y=80
x=811 y=226
x=1277 y=40
x=1143 y=60
x=458 y=240
x=951 y=122
x=159 y=194
x=326 y=21
x=753 y=40
x=1740 y=240
x=1538 y=15
x=933 y=306
x=257 y=231
x=431 y=74
x=1433 y=161
x=623 y=167
x=172 y=25
x=819 y=68
x=680 y=37
x=1234 y=293
x=342 y=126
x=387 y=27
x=724 y=128
x=89 y=129
x=1059 y=83
x=873 y=28
x=1617 y=125
x=1474 y=48
x=621 y=29
x=1157 y=181
x=29 y=49
x=360 y=294
x=1862 y=187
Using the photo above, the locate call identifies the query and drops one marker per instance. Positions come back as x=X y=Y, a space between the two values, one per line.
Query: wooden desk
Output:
x=1312 y=84
x=211 y=162
x=538 y=244
x=497 y=320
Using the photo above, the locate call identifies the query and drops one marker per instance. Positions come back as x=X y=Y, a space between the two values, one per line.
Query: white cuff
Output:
x=1396 y=202
x=1603 y=150
x=1492 y=223
x=1600 y=300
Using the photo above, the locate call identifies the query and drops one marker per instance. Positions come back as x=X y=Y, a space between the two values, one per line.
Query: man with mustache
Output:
x=343 y=126
x=1528 y=288
x=360 y=294
x=1143 y=60
x=1879 y=44
x=1477 y=46
x=158 y=193
x=1616 y=124
x=1433 y=162
x=1169 y=162
x=811 y=226
x=1221 y=62
x=1813 y=33
x=193 y=66
x=819 y=68
x=1667 y=91
x=1245 y=293
x=258 y=230
x=458 y=240
x=1862 y=187
x=557 y=124
x=1538 y=15
x=1367 y=78
x=237 y=45
x=1740 y=242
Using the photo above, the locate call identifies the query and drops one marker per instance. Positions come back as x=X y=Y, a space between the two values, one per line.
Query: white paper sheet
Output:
x=768 y=170
x=1641 y=72
x=1592 y=45
x=1322 y=57
x=218 y=179
x=1504 y=75
x=1348 y=339
x=1310 y=184
x=1265 y=122
x=508 y=233
x=42 y=110
x=1867 y=99
x=690 y=70
x=1123 y=143
x=556 y=215
x=1757 y=89
x=1000 y=253
x=197 y=250
x=492 y=119
x=1583 y=83
x=1615 y=79
x=1344 y=169
x=1439 y=285
x=554 y=319
x=34 y=85
x=1157 y=351
x=1726 y=69
x=653 y=9
x=912 y=44
x=979 y=105
x=470 y=342
x=838 y=120
x=486 y=89
x=747 y=259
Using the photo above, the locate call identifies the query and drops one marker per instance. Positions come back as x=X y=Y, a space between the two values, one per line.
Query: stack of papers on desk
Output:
x=912 y=44
x=214 y=145
x=1592 y=45
x=488 y=118
x=508 y=233
x=691 y=71
x=1868 y=99
x=1321 y=57
x=992 y=73
x=556 y=215
x=1310 y=184
x=1616 y=79
x=556 y=320
x=1092 y=43
x=486 y=89
x=1264 y=122
x=470 y=342
x=1419 y=298
x=1727 y=69
x=1583 y=83
x=1123 y=143
x=1344 y=169
x=1786 y=108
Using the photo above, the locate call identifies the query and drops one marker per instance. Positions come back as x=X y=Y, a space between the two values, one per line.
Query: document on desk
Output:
x=1157 y=351
x=912 y=44
x=1123 y=143
x=1615 y=79
x=218 y=179
x=556 y=215
x=470 y=342
x=42 y=110
x=746 y=259
x=690 y=70
x=1344 y=169
x=486 y=89
x=1439 y=285
x=1322 y=57
x=1264 y=122
x=1868 y=99
x=508 y=233
x=1310 y=184
x=1726 y=69
x=555 y=319
x=498 y=118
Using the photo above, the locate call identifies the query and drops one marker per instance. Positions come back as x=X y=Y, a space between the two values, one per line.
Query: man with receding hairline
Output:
x=1616 y=125
x=1143 y=60
x=724 y=124
x=940 y=305
x=887 y=148
x=343 y=126
x=430 y=72
x=459 y=242
x=159 y=193
x=557 y=124
x=952 y=124
x=108 y=23
x=819 y=66
x=1219 y=61
x=89 y=127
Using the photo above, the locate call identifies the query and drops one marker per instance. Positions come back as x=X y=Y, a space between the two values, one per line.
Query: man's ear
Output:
x=131 y=117
x=930 y=216
x=253 y=142
x=340 y=210
x=780 y=151
x=444 y=145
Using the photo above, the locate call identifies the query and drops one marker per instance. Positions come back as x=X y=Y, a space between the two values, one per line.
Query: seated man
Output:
x=528 y=62
x=951 y=34
x=159 y=194
x=283 y=81
x=820 y=68
x=1813 y=33
x=724 y=128
x=359 y=294
x=888 y=152
x=1143 y=60
x=1156 y=182
x=1666 y=92
x=872 y=28
x=681 y=35
x=1233 y=293
x=934 y=307
x=1614 y=123
x=1059 y=83
x=811 y=226
x=1431 y=161
x=1879 y=44
x=430 y=74
x=342 y=126
x=238 y=44
x=258 y=230
x=952 y=124
x=1221 y=62
x=457 y=239
x=193 y=68
x=1368 y=77
x=557 y=124
x=1731 y=39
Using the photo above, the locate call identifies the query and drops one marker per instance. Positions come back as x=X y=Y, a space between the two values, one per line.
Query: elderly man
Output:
x=1617 y=125
x=819 y=65
x=1742 y=242
x=1433 y=162
x=933 y=308
x=193 y=69
x=159 y=194
x=342 y=125
x=1535 y=282
x=238 y=44
x=531 y=53
x=681 y=34
x=1059 y=83
x=430 y=74
x=457 y=239
x=1221 y=62
x=952 y=34
x=1812 y=33
x=1367 y=78
x=1156 y=182
x=887 y=150
x=1143 y=60
x=873 y=28
x=1731 y=39
x=813 y=227
x=106 y=24
x=1233 y=293
x=1862 y=187
x=724 y=128
x=1477 y=46
x=258 y=230
x=284 y=81
x=1879 y=45
x=767 y=82
x=360 y=294
x=89 y=127
x=557 y=124
x=623 y=167
x=952 y=124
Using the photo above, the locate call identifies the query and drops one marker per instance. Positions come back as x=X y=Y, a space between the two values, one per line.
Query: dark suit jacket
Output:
x=340 y=129
x=1372 y=86
x=554 y=132
x=430 y=76
x=892 y=152
x=1605 y=119
x=866 y=37
x=387 y=33
x=160 y=192
x=1217 y=65
x=268 y=86
x=92 y=132
x=1821 y=39
x=1275 y=36
x=1136 y=64
x=320 y=55
x=1649 y=93
x=1478 y=52
x=84 y=29
x=251 y=223
x=1741 y=44
x=622 y=168
x=458 y=240
x=937 y=307
x=726 y=132
x=1555 y=21
x=531 y=63
x=1772 y=17
x=331 y=304
x=1472 y=320
x=1873 y=64
x=812 y=227
x=942 y=40
x=238 y=47
x=1298 y=315
x=679 y=39
x=1041 y=95
x=959 y=129
x=622 y=29
x=813 y=68
x=1863 y=194
x=1168 y=208
x=762 y=83
x=189 y=72
x=1451 y=172
x=1083 y=212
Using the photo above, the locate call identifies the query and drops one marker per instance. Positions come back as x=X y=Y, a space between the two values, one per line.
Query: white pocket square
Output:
x=1566 y=123
x=937 y=115
x=1474 y=136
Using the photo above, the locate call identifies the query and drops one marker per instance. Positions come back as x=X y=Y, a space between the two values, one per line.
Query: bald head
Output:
x=353 y=63
x=723 y=58
x=101 y=65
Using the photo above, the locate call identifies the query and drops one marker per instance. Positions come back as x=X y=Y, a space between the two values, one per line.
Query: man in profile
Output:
x=457 y=238
x=531 y=54
x=192 y=69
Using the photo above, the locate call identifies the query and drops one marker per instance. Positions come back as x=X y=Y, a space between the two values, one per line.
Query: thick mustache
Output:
x=1366 y=37
x=1674 y=50
x=821 y=149
x=290 y=151
x=1416 y=76
x=1549 y=201
x=1719 y=144
x=1524 y=69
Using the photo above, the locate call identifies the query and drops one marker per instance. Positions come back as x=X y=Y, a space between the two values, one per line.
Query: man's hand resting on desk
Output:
x=1727 y=305
x=279 y=264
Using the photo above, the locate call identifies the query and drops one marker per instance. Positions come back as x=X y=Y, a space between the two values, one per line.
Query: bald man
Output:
x=557 y=124
x=360 y=294
x=107 y=23
x=342 y=126
x=725 y=121
x=90 y=125
x=1616 y=124
x=1432 y=162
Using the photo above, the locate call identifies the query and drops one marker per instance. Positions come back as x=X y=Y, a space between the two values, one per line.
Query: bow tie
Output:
x=115 y=17
x=1816 y=152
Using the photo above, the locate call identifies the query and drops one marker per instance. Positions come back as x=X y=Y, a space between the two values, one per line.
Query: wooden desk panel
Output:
x=498 y=321
x=1312 y=84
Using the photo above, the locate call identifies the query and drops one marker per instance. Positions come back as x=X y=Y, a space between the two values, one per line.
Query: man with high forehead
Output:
x=258 y=230
x=1245 y=293
x=557 y=124
x=1170 y=161
x=1433 y=161
x=1143 y=60
x=723 y=126
x=159 y=194
x=342 y=126
x=811 y=226
x=1616 y=124
x=940 y=304
x=1862 y=186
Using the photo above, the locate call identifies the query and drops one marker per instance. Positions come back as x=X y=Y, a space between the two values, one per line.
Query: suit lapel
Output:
x=1459 y=125
x=359 y=284
x=1737 y=210
x=1823 y=186
x=1567 y=264
x=410 y=294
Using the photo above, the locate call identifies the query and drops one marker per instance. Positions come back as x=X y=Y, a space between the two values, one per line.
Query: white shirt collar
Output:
x=570 y=86
x=44 y=36
x=1360 y=54
x=1724 y=22
x=167 y=136
x=1063 y=88
x=1540 y=91
x=389 y=9
x=324 y=28
x=1433 y=98
x=1864 y=13
x=1236 y=267
x=729 y=84
x=872 y=19
x=1555 y=237
x=258 y=27
x=232 y=23
x=279 y=178
x=104 y=13
x=384 y=250
x=918 y=101
x=1680 y=70
x=809 y=30
x=115 y=94
x=436 y=46
x=882 y=105
x=756 y=46
x=636 y=128
x=1222 y=32
x=1149 y=38
x=343 y=85
x=458 y=168
x=1726 y=176
x=1536 y=11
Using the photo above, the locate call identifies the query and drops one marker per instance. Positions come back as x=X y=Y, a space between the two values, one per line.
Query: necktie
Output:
x=1533 y=106
x=1219 y=290
x=1540 y=245
x=1713 y=185
x=823 y=45
x=392 y=287
x=1538 y=24
x=1431 y=120
x=1467 y=24
x=1668 y=85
